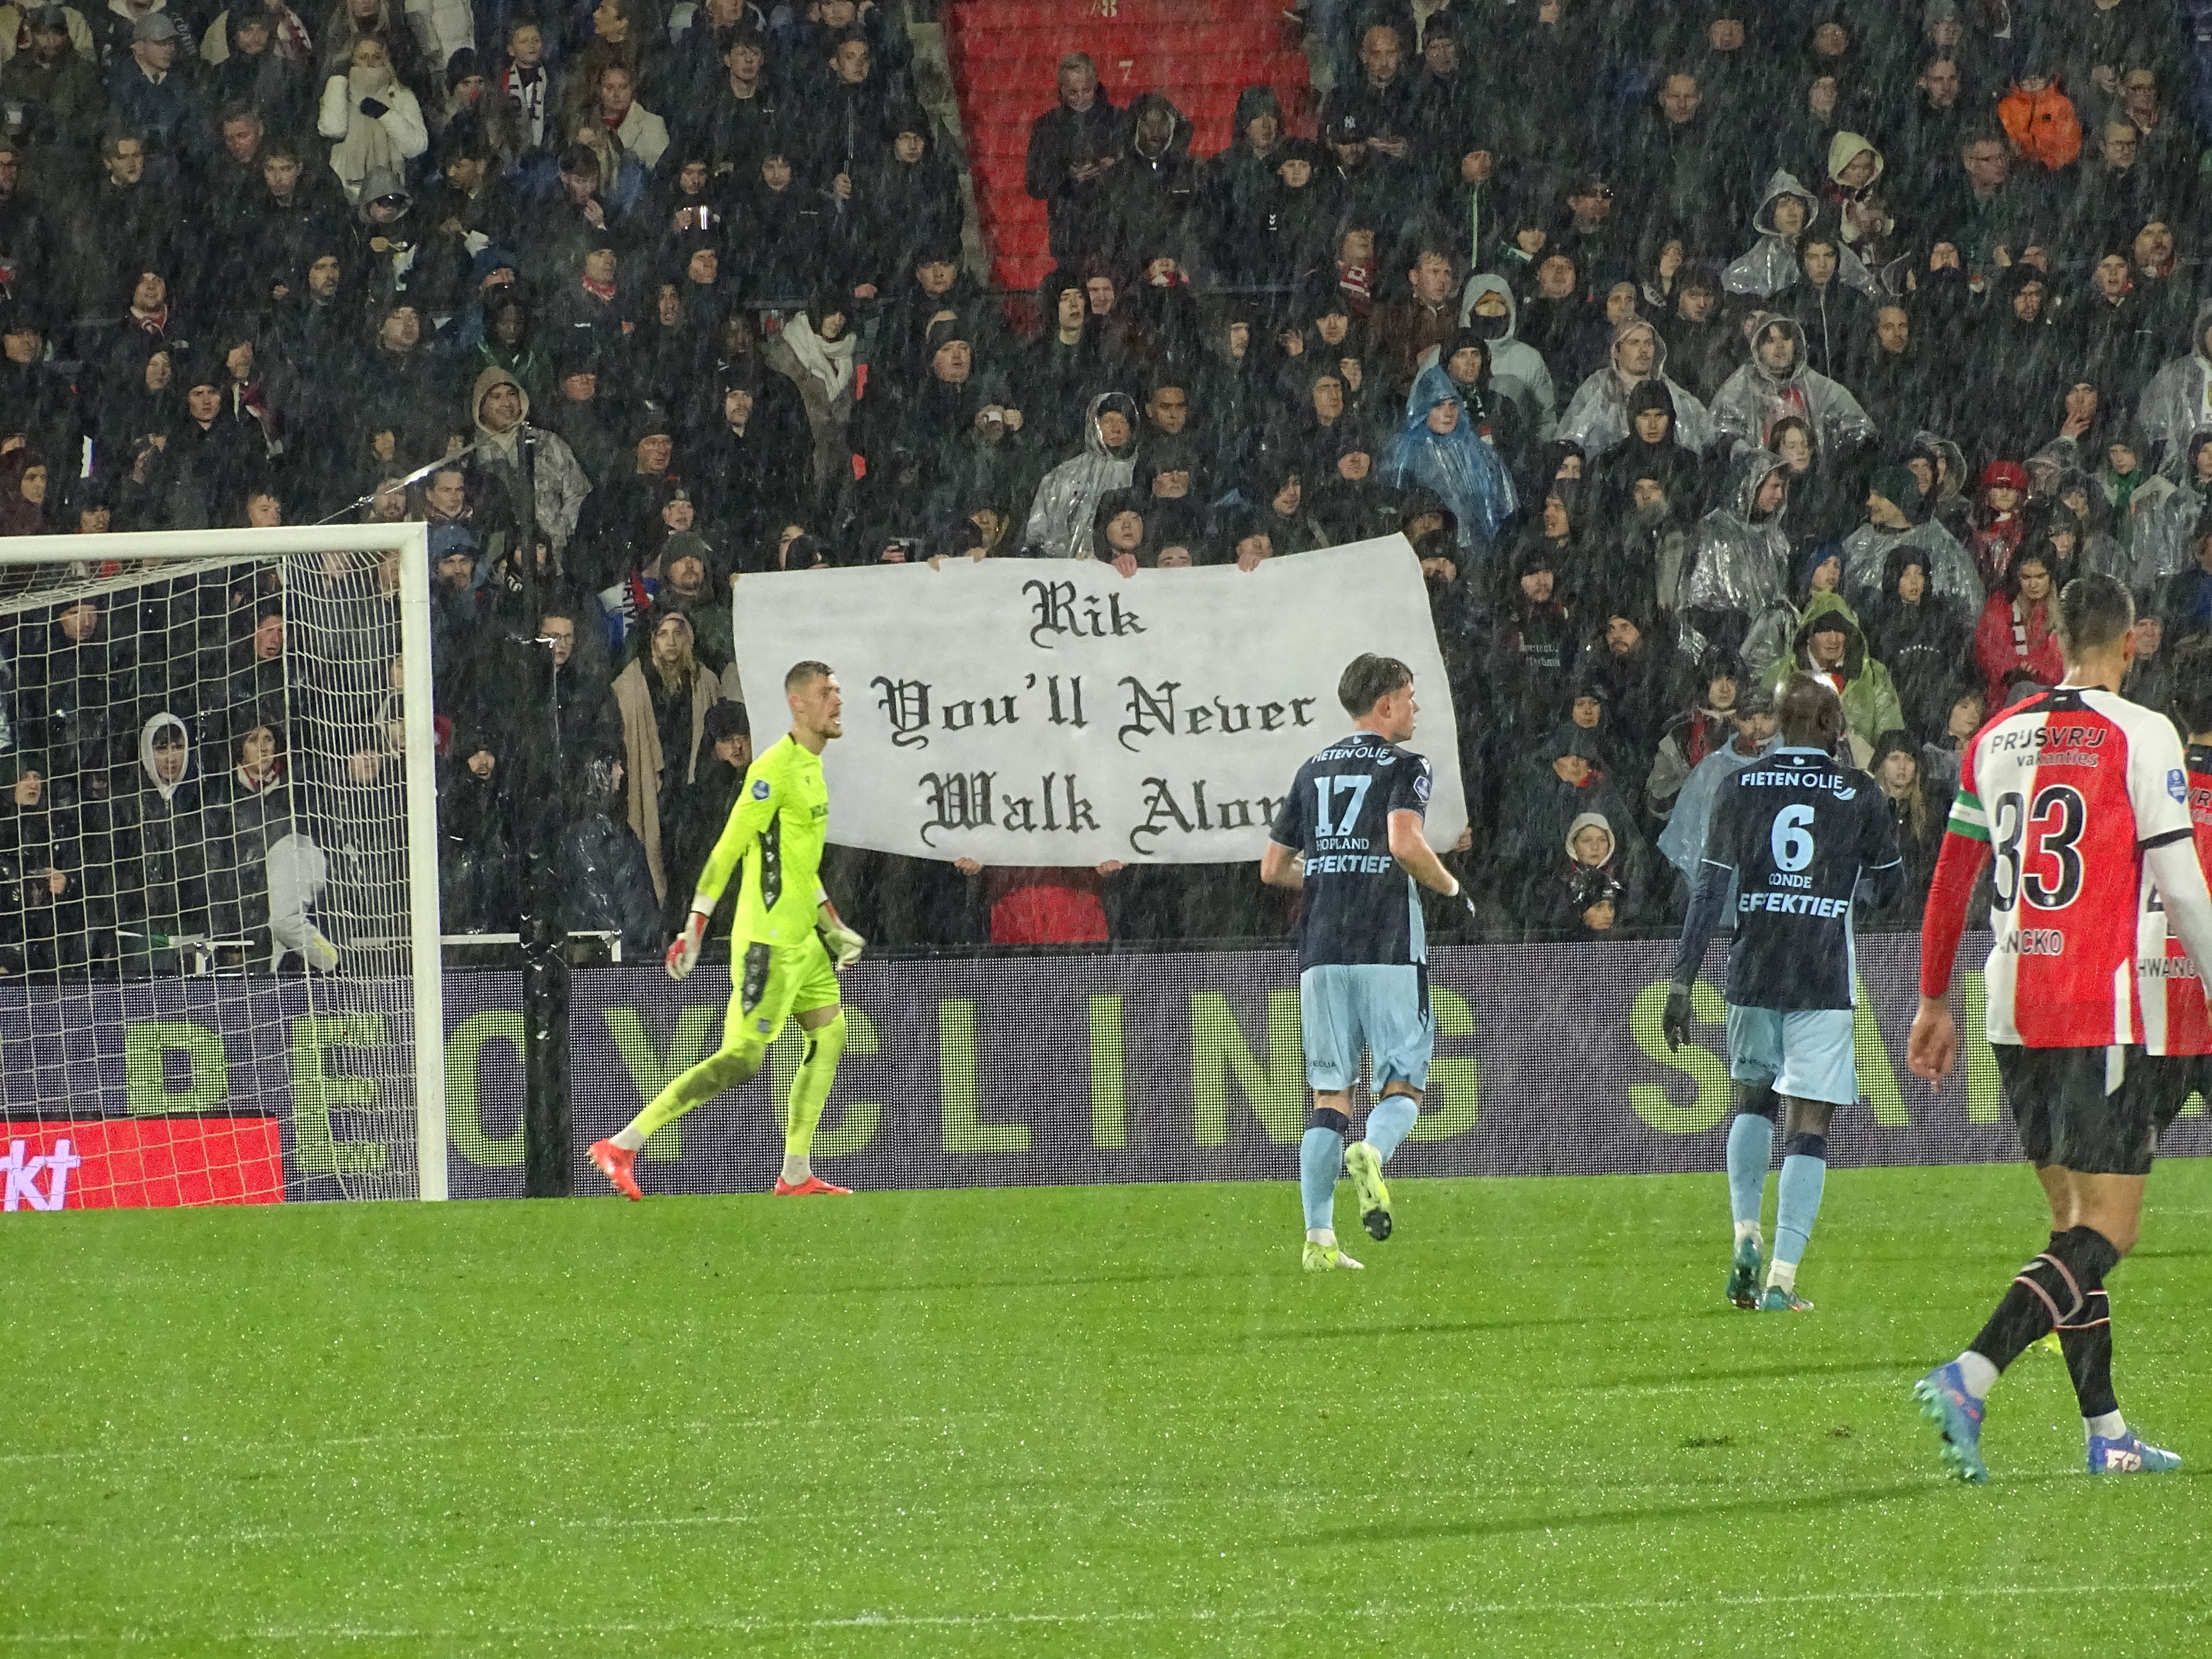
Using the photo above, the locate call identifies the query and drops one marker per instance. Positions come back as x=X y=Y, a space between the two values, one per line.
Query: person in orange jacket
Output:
x=2038 y=116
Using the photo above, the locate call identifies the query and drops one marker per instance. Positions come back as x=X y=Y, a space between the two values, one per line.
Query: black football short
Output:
x=2095 y=1111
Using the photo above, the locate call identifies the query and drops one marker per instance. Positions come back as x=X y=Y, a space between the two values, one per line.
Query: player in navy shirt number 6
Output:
x=1794 y=833
x=1349 y=836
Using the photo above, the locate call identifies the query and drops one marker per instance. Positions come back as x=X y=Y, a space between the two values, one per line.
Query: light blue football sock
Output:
x=1803 y=1175
x=1750 y=1145
x=1390 y=1122
x=1321 y=1155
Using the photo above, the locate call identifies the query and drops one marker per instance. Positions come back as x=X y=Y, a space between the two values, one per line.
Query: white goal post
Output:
x=41 y=577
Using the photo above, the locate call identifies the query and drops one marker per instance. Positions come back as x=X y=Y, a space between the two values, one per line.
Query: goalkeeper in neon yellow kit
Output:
x=787 y=948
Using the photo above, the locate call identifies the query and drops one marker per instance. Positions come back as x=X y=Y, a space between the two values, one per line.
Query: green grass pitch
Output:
x=1074 y=1421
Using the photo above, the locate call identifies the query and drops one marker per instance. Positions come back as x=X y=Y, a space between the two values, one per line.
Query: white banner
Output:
x=1053 y=712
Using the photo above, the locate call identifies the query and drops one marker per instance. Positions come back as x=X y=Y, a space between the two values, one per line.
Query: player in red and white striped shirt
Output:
x=2081 y=798
x=2176 y=1022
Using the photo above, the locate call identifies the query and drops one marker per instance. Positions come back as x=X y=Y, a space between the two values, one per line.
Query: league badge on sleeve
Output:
x=2177 y=784
x=760 y=788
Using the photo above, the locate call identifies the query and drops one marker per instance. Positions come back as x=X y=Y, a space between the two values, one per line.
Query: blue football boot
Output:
x=1957 y=1416
x=2128 y=1455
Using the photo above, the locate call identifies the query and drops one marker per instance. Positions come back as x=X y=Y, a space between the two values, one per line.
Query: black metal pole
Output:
x=547 y=1125
x=548 y=1161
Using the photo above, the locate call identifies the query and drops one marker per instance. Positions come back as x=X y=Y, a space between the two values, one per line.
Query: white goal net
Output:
x=219 y=973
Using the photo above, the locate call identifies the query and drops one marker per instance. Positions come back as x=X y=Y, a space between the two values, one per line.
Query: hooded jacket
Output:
x=1540 y=805
x=1743 y=560
x=1869 y=698
x=1754 y=399
x=1952 y=577
x=1575 y=886
x=1771 y=264
x=1845 y=148
x=902 y=207
x=1515 y=368
x=2165 y=536
x=1592 y=821
x=162 y=840
x=1951 y=509
x=1923 y=645
x=1148 y=197
x=1495 y=416
x=1597 y=415
x=1458 y=465
x=2043 y=126
x=538 y=471
x=1235 y=191
x=1060 y=519
x=606 y=883
x=1683 y=840
x=1996 y=537
x=1111 y=505
x=1614 y=473
x=2178 y=399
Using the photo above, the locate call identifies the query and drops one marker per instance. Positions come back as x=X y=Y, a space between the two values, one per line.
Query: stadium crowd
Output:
x=1690 y=342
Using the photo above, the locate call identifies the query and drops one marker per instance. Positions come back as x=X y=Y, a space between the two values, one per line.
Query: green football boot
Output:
x=1743 y=1273
x=1365 y=1165
x=1325 y=1258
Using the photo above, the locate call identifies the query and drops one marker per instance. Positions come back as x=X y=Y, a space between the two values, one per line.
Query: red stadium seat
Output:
x=1200 y=54
x=1069 y=16
x=1171 y=44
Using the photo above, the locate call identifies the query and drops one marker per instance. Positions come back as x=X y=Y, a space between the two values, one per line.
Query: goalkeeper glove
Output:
x=683 y=954
x=1675 y=1023
x=843 y=945
x=1459 y=891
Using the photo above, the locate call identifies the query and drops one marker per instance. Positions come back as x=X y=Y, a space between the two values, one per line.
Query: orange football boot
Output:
x=618 y=1166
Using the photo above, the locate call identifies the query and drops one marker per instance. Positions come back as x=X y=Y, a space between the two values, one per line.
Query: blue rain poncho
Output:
x=1465 y=473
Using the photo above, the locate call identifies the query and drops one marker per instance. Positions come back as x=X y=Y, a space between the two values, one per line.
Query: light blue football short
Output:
x=1805 y=1052
x=1378 y=1008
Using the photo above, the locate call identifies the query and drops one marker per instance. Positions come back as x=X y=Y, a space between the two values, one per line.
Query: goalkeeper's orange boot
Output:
x=813 y=1186
x=619 y=1166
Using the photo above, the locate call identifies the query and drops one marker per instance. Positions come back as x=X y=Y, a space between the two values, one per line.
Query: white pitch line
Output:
x=871 y=1620
x=298 y=1446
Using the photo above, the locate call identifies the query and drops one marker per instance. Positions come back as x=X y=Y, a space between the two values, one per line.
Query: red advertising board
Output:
x=99 y=1164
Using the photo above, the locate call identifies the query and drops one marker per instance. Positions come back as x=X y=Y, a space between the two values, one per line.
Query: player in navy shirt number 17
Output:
x=1794 y=833
x=1349 y=836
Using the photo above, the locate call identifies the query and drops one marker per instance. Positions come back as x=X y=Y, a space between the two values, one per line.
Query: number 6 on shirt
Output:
x=1790 y=841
